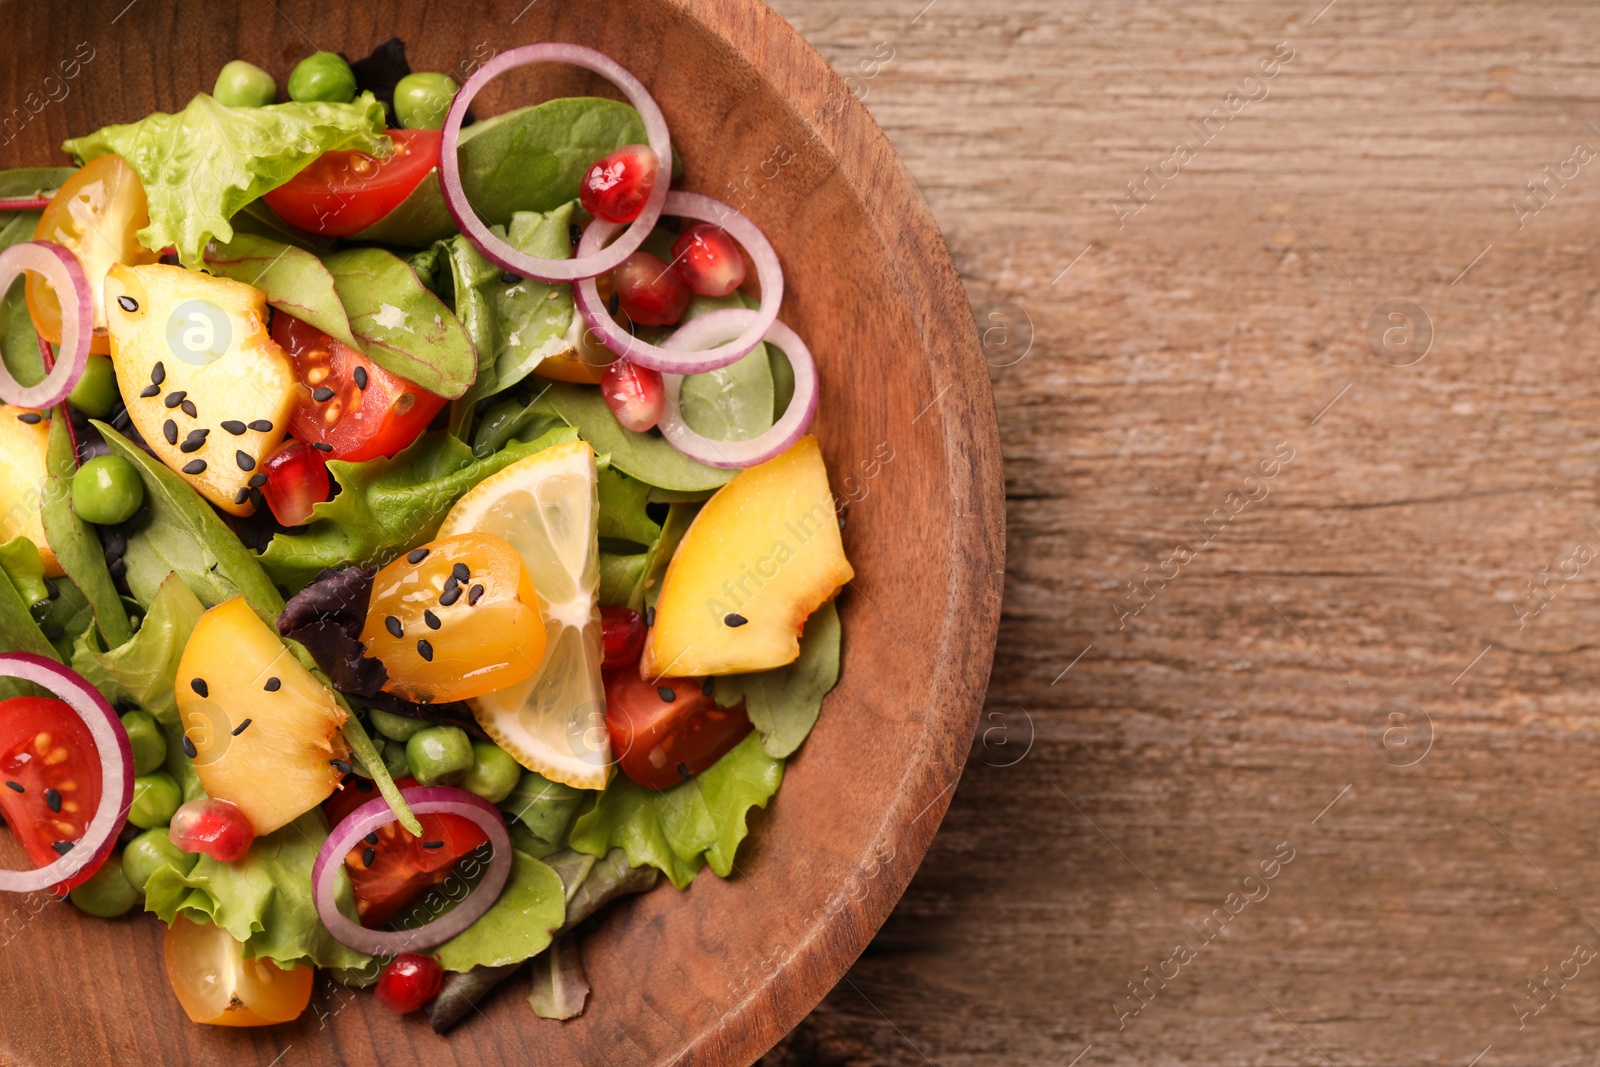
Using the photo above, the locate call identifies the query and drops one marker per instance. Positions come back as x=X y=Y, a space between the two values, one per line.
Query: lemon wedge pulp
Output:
x=547 y=507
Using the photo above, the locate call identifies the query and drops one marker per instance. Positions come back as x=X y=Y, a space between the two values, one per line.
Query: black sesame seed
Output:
x=63 y=847
x=257 y=499
x=683 y=771
x=200 y=687
x=450 y=595
x=708 y=686
x=508 y=278
x=322 y=446
x=53 y=799
x=32 y=418
x=431 y=619
x=650 y=616
x=425 y=650
x=733 y=618
x=188 y=747
x=665 y=693
x=149 y=391
x=363 y=786
x=194 y=466
x=392 y=624
x=234 y=426
x=174 y=399
x=158 y=373
x=371 y=839
x=257 y=480
x=169 y=430
x=460 y=573
x=416 y=555
x=616 y=302
x=322 y=393
x=573 y=233
x=242 y=727
x=341 y=765
x=241 y=496
x=188 y=408
x=244 y=461
x=473 y=594
x=273 y=685
x=15 y=787
x=433 y=844
x=194 y=442
x=360 y=376
x=262 y=426
x=127 y=303
x=368 y=855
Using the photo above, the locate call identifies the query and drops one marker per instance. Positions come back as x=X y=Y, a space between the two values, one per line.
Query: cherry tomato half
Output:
x=669 y=730
x=342 y=193
x=346 y=400
x=51 y=774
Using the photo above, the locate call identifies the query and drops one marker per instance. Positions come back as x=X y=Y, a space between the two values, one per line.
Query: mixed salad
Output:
x=409 y=539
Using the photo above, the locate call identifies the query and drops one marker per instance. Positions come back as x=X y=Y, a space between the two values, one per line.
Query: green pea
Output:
x=394 y=758
x=107 y=893
x=155 y=798
x=241 y=84
x=96 y=392
x=151 y=851
x=323 y=76
x=395 y=727
x=106 y=490
x=439 y=755
x=149 y=746
x=494 y=773
x=422 y=100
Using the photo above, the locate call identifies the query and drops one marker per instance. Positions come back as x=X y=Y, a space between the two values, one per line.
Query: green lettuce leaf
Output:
x=263 y=900
x=204 y=163
x=520 y=924
x=783 y=703
x=384 y=506
x=143 y=669
x=294 y=280
x=76 y=544
x=401 y=325
x=682 y=829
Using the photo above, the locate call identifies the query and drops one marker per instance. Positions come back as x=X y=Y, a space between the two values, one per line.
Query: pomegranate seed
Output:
x=212 y=827
x=616 y=188
x=708 y=260
x=634 y=394
x=622 y=631
x=650 y=292
x=297 y=478
x=409 y=982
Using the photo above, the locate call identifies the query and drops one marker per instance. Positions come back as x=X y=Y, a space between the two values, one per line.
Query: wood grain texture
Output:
x=717 y=974
x=1189 y=341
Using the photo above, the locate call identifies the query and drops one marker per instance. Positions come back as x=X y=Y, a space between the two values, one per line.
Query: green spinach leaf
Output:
x=470 y=276
x=20 y=562
x=294 y=280
x=77 y=546
x=401 y=325
x=647 y=458
x=533 y=317
x=622 y=509
x=620 y=575
x=18 y=631
x=783 y=703
x=417 y=221
x=519 y=925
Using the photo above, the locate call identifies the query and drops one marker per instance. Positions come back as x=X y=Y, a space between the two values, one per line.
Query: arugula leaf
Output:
x=401 y=325
x=647 y=458
x=385 y=505
x=783 y=703
x=622 y=509
x=185 y=535
x=294 y=280
x=264 y=899
x=144 y=669
x=682 y=829
x=519 y=925
x=21 y=563
x=77 y=546
x=204 y=163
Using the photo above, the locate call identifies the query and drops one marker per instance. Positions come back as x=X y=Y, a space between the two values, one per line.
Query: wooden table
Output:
x=1320 y=385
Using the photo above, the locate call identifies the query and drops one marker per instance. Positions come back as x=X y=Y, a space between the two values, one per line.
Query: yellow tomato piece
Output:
x=217 y=985
x=455 y=618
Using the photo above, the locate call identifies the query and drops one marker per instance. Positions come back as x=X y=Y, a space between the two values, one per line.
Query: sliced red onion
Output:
x=374 y=814
x=707 y=330
x=498 y=251
x=116 y=769
x=686 y=361
x=65 y=274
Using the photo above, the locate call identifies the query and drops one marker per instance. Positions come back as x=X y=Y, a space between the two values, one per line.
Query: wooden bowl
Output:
x=715 y=974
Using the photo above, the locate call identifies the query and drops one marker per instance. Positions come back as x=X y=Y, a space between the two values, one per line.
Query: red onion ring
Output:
x=65 y=274
x=376 y=813
x=499 y=252
x=708 y=329
x=629 y=347
x=116 y=769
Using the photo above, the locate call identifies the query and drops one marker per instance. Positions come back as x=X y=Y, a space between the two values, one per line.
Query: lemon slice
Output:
x=547 y=507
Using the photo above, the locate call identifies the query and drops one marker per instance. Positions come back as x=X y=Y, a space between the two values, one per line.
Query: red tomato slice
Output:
x=660 y=742
x=403 y=868
x=47 y=751
x=342 y=193
x=358 y=423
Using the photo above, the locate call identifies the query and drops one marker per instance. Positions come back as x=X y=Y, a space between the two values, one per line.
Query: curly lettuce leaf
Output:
x=682 y=829
x=783 y=703
x=263 y=900
x=204 y=163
